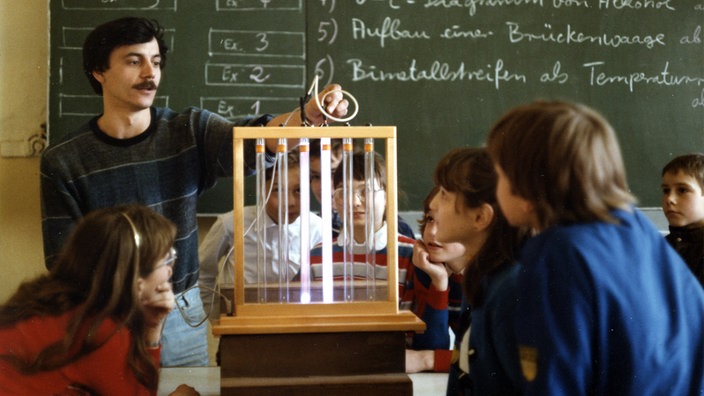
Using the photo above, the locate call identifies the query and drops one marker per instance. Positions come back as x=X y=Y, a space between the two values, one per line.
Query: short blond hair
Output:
x=564 y=158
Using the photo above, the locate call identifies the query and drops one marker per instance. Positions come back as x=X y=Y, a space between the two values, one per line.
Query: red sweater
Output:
x=104 y=371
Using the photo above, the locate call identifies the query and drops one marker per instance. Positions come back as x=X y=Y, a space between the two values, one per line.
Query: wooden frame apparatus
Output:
x=267 y=318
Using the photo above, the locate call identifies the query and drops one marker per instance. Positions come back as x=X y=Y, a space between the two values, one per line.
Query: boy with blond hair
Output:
x=606 y=307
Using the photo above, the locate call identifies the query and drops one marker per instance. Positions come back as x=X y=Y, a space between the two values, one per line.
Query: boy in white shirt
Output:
x=216 y=249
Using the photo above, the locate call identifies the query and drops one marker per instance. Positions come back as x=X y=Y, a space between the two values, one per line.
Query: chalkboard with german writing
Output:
x=442 y=71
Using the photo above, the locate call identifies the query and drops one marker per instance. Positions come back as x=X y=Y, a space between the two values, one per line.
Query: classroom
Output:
x=26 y=95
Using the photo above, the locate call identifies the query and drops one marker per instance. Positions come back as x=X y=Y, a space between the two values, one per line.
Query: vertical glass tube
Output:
x=261 y=196
x=304 y=168
x=347 y=233
x=282 y=226
x=370 y=220
x=326 y=215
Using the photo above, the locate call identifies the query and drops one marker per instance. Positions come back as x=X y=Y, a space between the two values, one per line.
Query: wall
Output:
x=23 y=96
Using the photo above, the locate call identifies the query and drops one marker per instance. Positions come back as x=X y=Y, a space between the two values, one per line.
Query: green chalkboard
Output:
x=440 y=70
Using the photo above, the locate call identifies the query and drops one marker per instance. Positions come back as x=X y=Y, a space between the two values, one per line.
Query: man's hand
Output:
x=332 y=101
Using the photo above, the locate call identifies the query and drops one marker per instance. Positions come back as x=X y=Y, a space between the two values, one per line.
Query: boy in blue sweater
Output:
x=606 y=306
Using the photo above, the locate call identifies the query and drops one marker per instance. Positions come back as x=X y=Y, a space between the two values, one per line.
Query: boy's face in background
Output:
x=294 y=196
x=359 y=206
x=682 y=199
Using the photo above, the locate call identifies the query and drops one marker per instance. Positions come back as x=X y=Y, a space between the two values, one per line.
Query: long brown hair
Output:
x=470 y=173
x=96 y=276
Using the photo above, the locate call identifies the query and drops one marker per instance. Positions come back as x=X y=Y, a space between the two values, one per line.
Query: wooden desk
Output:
x=207 y=381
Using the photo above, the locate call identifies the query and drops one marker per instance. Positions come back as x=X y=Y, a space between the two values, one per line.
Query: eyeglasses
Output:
x=170 y=259
x=360 y=193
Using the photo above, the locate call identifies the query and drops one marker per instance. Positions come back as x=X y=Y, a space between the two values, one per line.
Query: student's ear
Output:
x=98 y=76
x=484 y=216
x=140 y=286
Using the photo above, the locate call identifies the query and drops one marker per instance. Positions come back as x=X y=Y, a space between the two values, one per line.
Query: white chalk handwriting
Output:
x=597 y=77
x=436 y=71
x=568 y=35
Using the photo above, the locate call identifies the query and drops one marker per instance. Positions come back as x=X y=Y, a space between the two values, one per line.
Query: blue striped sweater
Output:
x=166 y=167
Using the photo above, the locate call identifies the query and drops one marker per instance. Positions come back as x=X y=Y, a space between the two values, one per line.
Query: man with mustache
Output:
x=136 y=153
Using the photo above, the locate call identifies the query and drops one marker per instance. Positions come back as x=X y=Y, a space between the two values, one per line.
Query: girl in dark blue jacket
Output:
x=485 y=359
